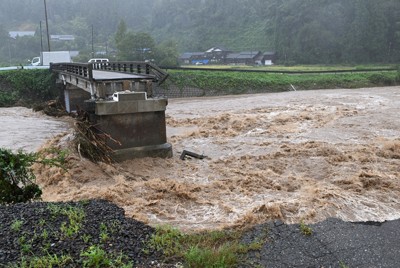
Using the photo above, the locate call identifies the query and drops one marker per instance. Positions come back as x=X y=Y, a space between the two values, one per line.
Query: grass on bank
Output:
x=207 y=249
x=27 y=87
x=242 y=82
x=297 y=68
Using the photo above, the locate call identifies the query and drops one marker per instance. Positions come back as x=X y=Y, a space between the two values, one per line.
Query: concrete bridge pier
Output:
x=136 y=122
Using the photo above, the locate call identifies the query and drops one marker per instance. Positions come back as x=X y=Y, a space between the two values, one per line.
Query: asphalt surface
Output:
x=104 y=75
x=333 y=243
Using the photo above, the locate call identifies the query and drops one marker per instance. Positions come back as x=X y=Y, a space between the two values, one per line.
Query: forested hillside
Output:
x=306 y=31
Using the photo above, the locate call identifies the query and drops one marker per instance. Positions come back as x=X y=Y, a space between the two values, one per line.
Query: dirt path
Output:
x=305 y=155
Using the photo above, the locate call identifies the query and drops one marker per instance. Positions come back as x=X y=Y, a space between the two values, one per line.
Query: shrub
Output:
x=17 y=181
x=16 y=178
x=398 y=74
x=27 y=87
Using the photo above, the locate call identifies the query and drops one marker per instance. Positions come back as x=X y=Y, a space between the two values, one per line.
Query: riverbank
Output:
x=97 y=233
x=200 y=83
x=294 y=157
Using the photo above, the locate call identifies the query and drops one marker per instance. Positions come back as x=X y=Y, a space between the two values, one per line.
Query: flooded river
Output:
x=294 y=156
x=22 y=128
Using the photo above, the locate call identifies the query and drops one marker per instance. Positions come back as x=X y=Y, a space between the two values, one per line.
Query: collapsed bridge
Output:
x=118 y=96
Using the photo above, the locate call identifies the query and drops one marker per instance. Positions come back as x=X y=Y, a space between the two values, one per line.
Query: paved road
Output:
x=104 y=75
x=333 y=243
x=23 y=67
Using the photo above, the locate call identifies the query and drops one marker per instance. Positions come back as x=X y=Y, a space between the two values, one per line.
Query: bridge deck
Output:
x=104 y=75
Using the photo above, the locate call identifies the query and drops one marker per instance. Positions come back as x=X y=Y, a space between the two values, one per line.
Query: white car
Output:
x=98 y=60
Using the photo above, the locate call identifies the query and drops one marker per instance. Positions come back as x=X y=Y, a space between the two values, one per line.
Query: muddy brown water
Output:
x=22 y=128
x=294 y=156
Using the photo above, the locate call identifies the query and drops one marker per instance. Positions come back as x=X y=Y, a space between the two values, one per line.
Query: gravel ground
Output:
x=41 y=232
x=332 y=243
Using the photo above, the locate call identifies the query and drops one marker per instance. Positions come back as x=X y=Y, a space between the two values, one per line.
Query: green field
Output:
x=296 y=68
x=243 y=82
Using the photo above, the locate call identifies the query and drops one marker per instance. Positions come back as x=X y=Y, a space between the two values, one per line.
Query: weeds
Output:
x=209 y=249
x=207 y=257
x=55 y=210
x=16 y=225
x=305 y=229
x=45 y=261
x=25 y=244
x=42 y=222
x=44 y=234
x=168 y=240
x=103 y=233
x=95 y=256
x=86 y=238
x=35 y=246
x=75 y=218
x=115 y=226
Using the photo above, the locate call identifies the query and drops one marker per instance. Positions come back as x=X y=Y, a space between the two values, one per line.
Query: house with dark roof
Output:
x=268 y=58
x=221 y=55
x=244 y=58
x=193 y=58
x=217 y=55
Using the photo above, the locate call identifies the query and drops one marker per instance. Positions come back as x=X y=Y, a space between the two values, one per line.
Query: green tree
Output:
x=143 y=46
x=306 y=31
x=5 y=46
x=121 y=32
x=136 y=46
x=166 y=53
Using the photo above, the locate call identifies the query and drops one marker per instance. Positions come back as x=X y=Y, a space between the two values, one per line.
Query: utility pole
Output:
x=41 y=37
x=47 y=25
x=92 y=43
x=9 y=48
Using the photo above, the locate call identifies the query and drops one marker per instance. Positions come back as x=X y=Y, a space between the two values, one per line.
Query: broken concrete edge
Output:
x=161 y=151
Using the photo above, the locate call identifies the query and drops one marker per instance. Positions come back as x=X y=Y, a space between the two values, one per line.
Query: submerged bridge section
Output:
x=118 y=96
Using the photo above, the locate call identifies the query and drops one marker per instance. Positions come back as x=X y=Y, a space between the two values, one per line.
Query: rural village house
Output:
x=221 y=55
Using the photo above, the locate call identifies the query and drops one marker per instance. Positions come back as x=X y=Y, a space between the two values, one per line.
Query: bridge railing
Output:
x=133 y=67
x=85 y=70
